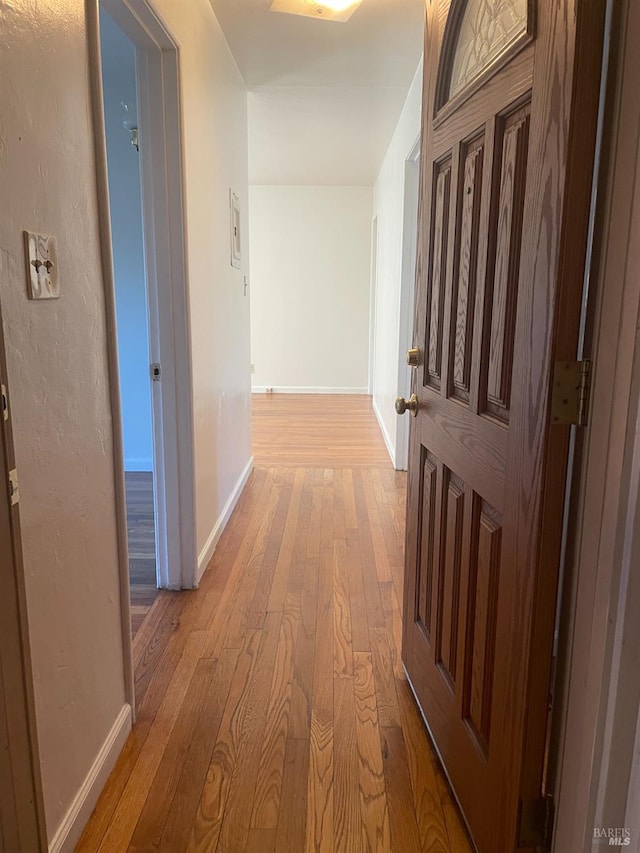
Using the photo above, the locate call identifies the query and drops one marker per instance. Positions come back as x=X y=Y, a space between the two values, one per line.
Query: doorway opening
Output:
x=120 y=100
x=407 y=296
x=139 y=146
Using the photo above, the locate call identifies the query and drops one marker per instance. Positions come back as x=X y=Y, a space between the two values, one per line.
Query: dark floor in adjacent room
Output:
x=142 y=545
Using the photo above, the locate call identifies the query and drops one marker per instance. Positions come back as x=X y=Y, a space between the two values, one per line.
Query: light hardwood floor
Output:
x=273 y=713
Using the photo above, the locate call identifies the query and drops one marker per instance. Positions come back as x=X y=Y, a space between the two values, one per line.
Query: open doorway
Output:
x=407 y=294
x=120 y=98
x=139 y=153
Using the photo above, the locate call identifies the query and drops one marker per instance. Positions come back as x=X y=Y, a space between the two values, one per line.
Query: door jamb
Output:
x=407 y=294
x=160 y=130
x=596 y=716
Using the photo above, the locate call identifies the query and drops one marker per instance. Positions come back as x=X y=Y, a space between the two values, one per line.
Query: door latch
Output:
x=4 y=403
x=156 y=372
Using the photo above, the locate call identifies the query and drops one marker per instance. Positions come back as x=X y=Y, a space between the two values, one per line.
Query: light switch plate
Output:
x=42 y=266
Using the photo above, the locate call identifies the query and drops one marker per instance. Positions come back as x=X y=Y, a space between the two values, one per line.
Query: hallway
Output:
x=273 y=713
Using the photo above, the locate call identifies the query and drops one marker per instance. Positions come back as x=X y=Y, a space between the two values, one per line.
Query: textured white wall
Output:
x=57 y=368
x=310 y=264
x=214 y=107
x=388 y=206
x=57 y=358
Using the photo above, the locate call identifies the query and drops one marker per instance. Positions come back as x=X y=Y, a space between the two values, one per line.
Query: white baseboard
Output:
x=305 y=389
x=385 y=435
x=138 y=464
x=210 y=545
x=75 y=820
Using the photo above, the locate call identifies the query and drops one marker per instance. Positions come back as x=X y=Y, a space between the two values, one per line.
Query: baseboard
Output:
x=210 y=545
x=75 y=820
x=385 y=435
x=138 y=464
x=305 y=389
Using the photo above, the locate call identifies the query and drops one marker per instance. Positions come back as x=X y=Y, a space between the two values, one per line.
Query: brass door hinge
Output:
x=4 y=403
x=570 y=395
x=14 y=494
x=535 y=828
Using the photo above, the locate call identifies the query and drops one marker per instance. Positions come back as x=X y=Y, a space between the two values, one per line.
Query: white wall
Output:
x=388 y=206
x=57 y=354
x=310 y=262
x=119 y=82
x=214 y=107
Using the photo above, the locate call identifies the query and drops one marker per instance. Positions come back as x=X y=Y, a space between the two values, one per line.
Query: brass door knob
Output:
x=411 y=404
x=413 y=357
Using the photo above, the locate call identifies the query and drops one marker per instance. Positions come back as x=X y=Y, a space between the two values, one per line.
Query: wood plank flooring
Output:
x=141 y=537
x=317 y=431
x=273 y=713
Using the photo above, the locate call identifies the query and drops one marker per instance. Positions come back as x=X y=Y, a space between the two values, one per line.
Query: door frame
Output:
x=160 y=133
x=22 y=818
x=407 y=294
x=373 y=287
x=596 y=726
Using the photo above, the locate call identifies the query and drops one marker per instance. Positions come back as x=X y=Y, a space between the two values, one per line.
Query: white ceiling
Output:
x=324 y=97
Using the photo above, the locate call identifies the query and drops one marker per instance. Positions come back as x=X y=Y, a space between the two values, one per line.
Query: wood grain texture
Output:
x=424 y=584
x=505 y=251
x=271 y=708
x=449 y=581
x=495 y=574
x=465 y=271
x=438 y=283
x=373 y=795
x=316 y=431
x=484 y=591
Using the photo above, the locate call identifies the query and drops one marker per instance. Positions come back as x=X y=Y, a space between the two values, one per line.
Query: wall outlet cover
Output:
x=42 y=266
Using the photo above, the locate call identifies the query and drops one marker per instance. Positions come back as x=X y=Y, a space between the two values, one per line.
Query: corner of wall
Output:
x=383 y=429
x=218 y=528
x=68 y=833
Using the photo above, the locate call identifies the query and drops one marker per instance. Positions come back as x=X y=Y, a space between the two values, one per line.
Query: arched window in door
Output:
x=481 y=35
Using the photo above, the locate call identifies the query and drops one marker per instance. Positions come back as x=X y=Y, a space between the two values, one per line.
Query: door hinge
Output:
x=535 y=827
x=14 y=494
x=570 y=396
x=4 y=402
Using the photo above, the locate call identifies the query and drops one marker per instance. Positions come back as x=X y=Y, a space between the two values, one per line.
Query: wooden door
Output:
x=22 y=824
x=509 y=119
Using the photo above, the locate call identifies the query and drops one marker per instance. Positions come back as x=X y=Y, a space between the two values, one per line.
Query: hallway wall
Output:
x=58 y=374
x=388 y=206
x=214 y=108
x=59 y=386
x=310 y=261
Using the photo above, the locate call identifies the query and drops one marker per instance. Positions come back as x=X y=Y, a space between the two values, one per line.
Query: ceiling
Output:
x=324 y=97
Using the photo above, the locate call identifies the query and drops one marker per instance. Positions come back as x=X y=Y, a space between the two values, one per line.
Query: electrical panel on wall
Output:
x=331 y=10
